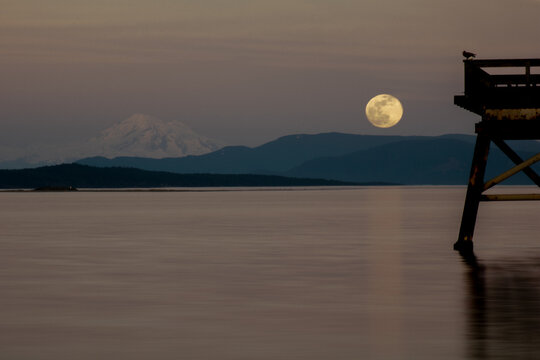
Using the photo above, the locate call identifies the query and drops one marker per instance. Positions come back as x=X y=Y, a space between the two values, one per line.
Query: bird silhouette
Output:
x=468 y=55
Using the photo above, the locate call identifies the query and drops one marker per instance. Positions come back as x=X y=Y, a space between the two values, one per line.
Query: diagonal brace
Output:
x=512 y=155
x=505 y=175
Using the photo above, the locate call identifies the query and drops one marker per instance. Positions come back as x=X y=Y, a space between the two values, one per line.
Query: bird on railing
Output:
x=468 y=55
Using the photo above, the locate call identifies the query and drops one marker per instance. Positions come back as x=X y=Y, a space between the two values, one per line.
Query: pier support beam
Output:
x=474 y=193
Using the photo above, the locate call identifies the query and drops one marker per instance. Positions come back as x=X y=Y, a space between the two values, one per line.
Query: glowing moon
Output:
x=384 y=111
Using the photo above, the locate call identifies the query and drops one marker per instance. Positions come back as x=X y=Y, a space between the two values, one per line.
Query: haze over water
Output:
x=356 y=273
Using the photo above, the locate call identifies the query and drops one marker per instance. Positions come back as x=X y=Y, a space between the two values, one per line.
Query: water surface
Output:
x=356 y=273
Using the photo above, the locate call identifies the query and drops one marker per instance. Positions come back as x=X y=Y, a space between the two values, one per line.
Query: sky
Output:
x=246 y=71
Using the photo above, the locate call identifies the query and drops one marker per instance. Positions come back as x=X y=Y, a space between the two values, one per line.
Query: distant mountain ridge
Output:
x=276 y=156
x=414 y=160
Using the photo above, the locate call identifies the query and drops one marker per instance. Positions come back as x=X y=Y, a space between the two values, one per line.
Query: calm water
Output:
x=361 y=273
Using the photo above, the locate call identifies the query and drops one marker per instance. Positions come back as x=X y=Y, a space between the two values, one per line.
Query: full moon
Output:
x=384 y=111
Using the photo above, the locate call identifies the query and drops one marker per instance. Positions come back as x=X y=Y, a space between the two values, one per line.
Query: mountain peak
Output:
x=149 y=136
x=141 y=120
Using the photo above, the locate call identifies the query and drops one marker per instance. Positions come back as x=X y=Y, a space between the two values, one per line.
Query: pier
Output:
x=508 y=101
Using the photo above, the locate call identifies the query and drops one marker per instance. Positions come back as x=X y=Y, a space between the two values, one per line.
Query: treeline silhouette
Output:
x=83 y=176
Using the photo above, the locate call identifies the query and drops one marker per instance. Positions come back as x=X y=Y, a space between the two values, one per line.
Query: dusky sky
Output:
x=246 y=71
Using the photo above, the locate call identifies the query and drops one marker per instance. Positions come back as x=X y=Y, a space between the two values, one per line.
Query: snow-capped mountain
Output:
x=139 y=135
x=147 y=136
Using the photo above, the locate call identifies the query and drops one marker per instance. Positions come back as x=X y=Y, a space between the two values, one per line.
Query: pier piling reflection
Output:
x=502 y=308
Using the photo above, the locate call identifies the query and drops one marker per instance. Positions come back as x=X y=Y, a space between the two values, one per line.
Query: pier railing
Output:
x=485 y=91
